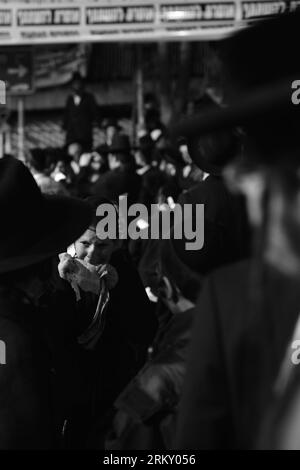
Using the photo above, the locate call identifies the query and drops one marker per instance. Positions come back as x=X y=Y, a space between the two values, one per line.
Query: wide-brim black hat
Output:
x=210 y=152
x=111 y=122
x=261 y=66
x=34 y=226
x=120 y=144
x=77 y=77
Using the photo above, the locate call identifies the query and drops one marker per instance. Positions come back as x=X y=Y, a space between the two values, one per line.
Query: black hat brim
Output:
x=64 y=221
x=245 y=110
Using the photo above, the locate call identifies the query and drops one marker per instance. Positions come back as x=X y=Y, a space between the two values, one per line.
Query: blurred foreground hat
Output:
x=261 y=66
x=34 y=227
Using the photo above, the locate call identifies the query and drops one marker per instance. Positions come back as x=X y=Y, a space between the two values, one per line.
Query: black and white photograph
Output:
x=149 y=224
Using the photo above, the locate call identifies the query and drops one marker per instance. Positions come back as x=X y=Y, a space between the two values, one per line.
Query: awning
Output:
x=129 y=20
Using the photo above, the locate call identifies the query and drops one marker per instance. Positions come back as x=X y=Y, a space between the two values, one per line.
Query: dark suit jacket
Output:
x=120 y=352
x=25 y=379
x=130 y=327
x=151 y=409
x=42 y=381
x=225 y=212
x=79 y=120
x=236 y=351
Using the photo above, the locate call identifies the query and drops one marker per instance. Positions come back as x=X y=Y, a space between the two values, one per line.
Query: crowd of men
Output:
x=140 y=344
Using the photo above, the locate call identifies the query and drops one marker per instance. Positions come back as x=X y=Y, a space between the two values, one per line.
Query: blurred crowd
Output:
x=149 y=170
x=130 y=344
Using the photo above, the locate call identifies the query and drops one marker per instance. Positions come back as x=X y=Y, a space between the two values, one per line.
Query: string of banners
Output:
x=113 y=20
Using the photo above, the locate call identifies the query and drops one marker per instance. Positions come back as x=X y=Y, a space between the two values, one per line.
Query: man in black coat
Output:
x=80 y=115
x=121 y=179
x=235 y=356
x=120 y=346
x=246 y=313
x=223 y=210
x=152 y=179
x=34 y=229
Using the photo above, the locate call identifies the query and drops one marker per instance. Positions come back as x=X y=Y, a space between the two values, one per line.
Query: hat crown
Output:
x=34 y=226
x=120 y=142
x=77 y=76
x=21 y=201
x=264 y=53
x=260 y=66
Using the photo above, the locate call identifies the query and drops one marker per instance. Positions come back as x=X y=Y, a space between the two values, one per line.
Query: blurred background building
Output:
x=127 y=51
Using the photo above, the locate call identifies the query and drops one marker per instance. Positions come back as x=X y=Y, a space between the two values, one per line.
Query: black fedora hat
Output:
x=120 y=144
x=77 y=77
x=261 y=65
x=34 y=227
x=111 y=122
x=211 y=152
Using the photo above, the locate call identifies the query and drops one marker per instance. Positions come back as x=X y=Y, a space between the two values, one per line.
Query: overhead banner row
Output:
x=114 y=20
